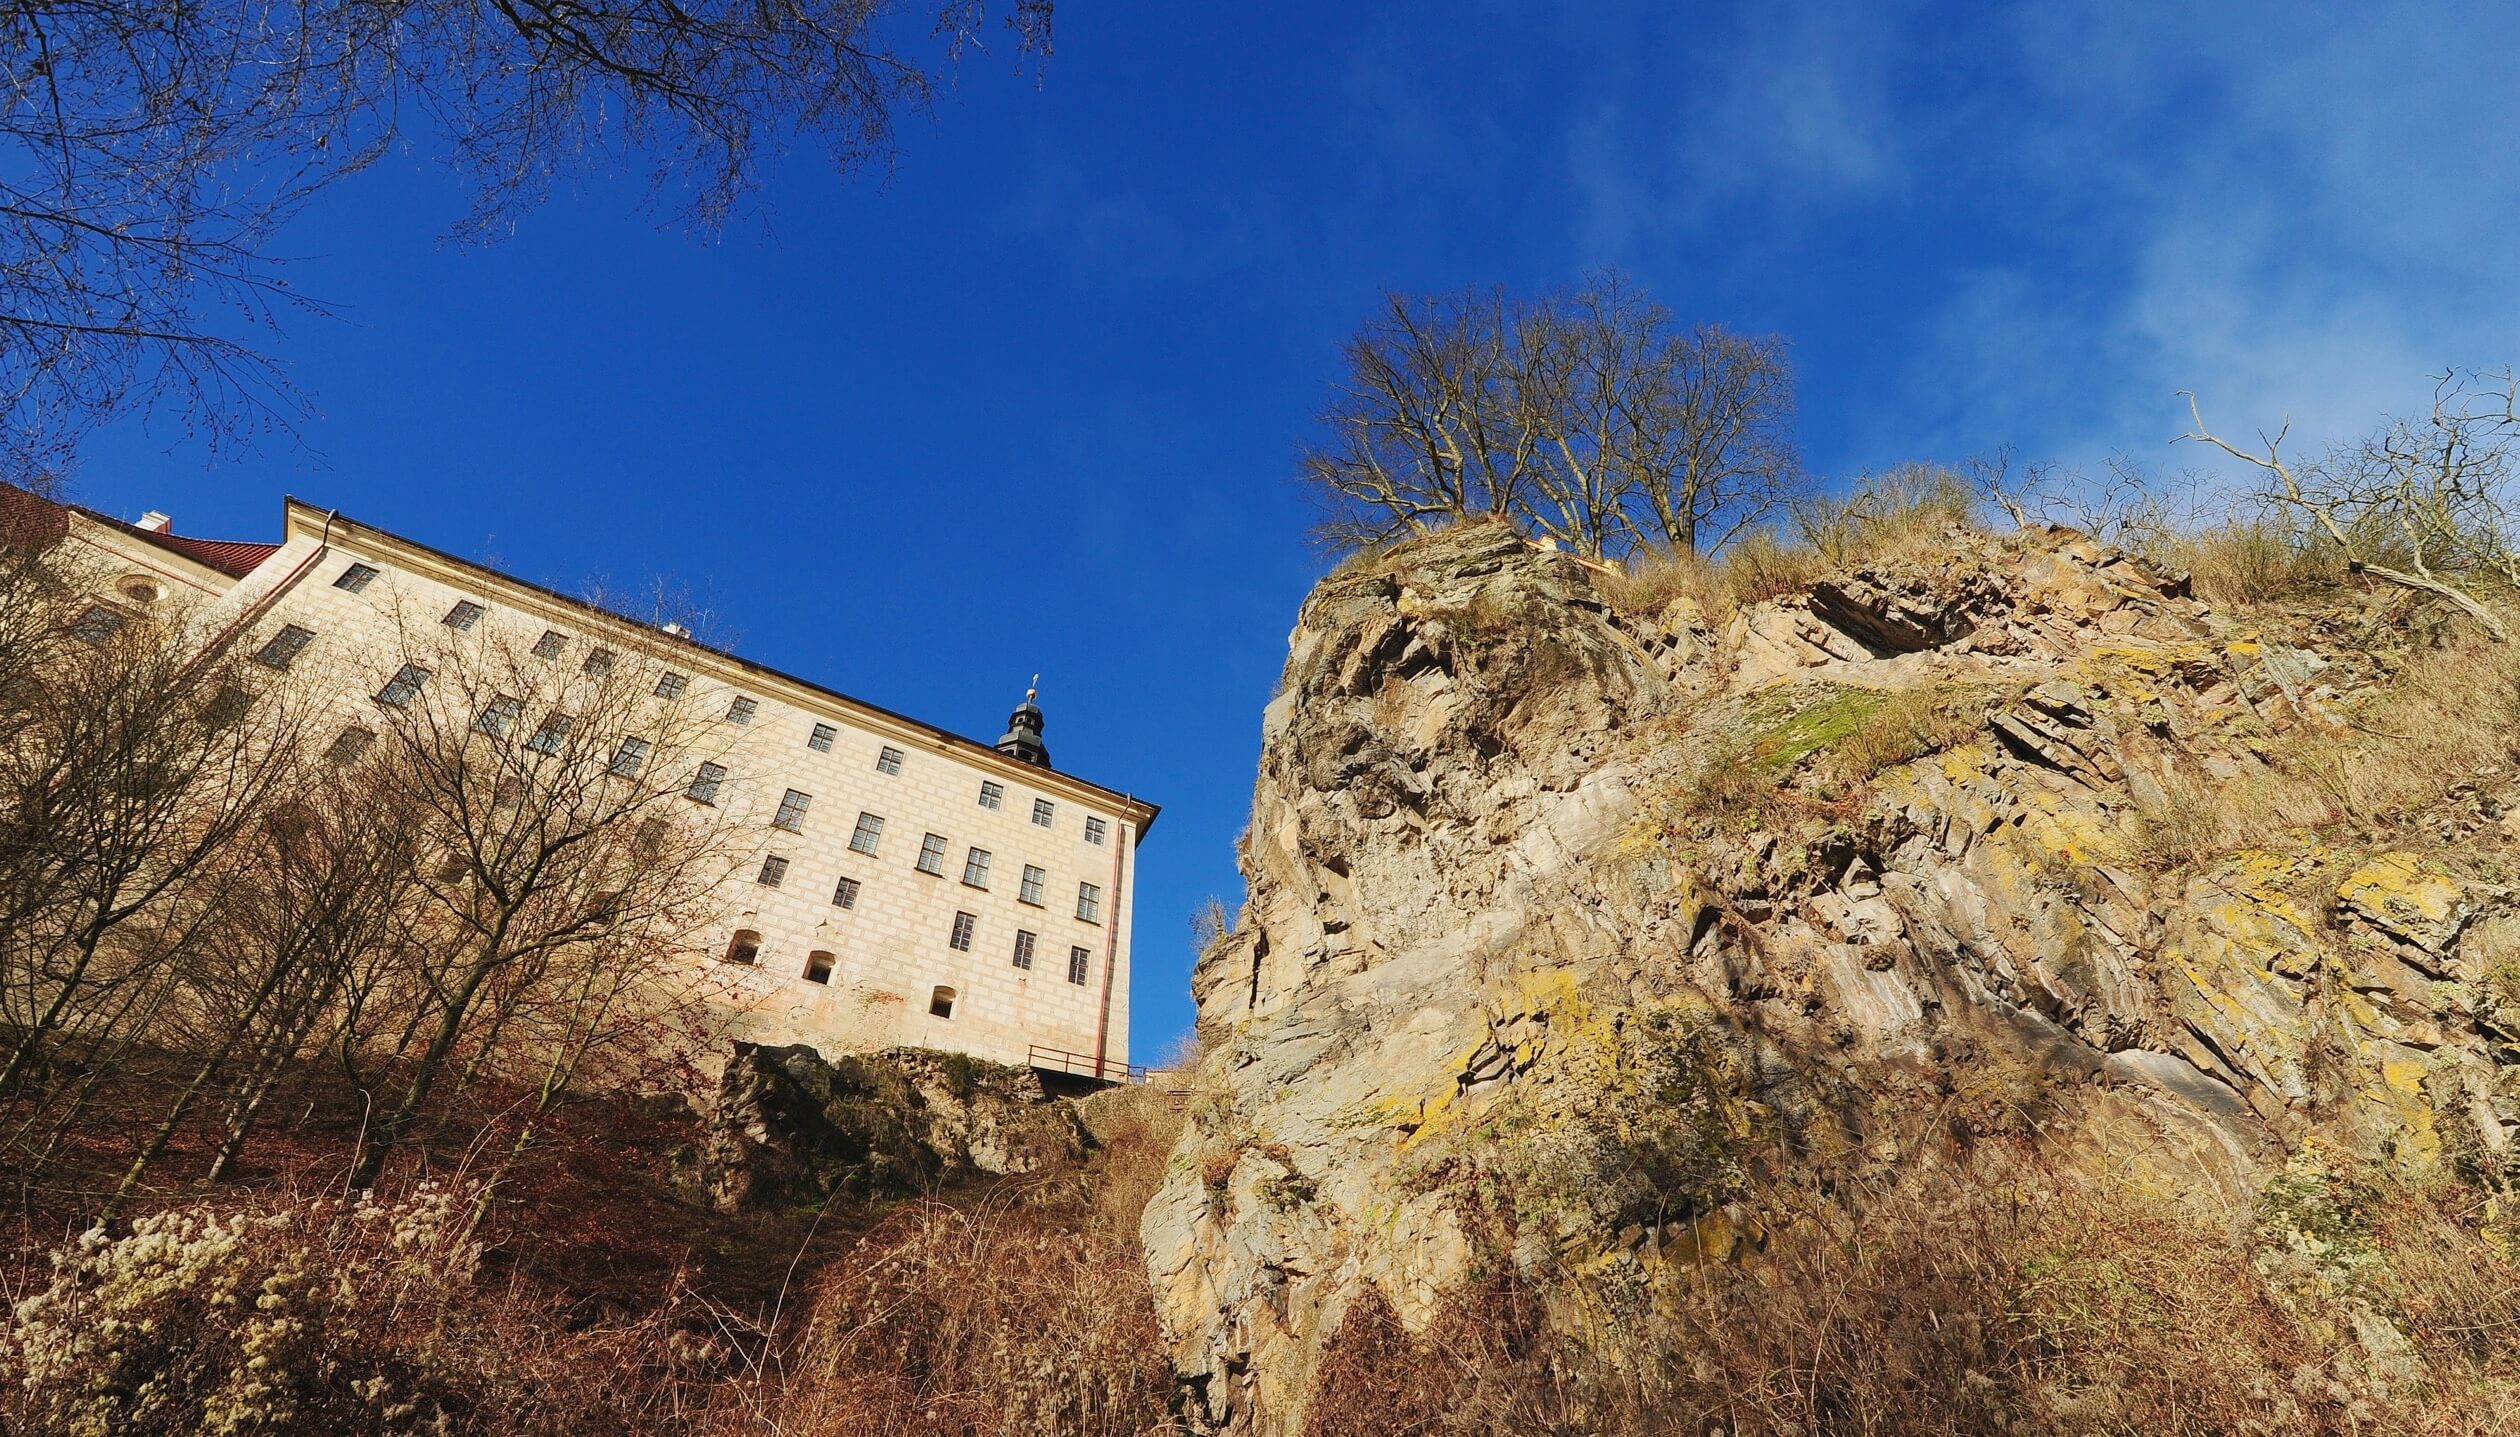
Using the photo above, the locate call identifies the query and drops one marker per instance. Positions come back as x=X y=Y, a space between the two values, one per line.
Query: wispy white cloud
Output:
x=2296 y=211
x=1788 y=105
x=2297 y=215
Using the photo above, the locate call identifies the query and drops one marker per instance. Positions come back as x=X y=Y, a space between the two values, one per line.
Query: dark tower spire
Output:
x=1023 y=731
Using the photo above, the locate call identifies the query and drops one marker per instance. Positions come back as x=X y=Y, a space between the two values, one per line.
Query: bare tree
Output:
x=2426 y=504
x=558 y=843
x=150 y=150
x=321 y=889
x=1593 y=419
x=1422 y=431
x=130 y=771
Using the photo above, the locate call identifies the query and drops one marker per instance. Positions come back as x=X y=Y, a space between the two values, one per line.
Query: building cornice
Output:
x=732 y=669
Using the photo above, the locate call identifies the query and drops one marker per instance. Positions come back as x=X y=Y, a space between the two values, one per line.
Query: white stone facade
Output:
x=890 y=952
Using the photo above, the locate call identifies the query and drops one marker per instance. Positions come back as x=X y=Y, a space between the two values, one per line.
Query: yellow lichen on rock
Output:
x=2396 y=893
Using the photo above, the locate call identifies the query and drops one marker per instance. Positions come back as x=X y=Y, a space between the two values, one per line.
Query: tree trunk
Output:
x=378 y=1141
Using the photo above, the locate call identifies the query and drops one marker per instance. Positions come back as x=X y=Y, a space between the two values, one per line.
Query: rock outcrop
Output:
x=1561 y=923
x=793 y=1129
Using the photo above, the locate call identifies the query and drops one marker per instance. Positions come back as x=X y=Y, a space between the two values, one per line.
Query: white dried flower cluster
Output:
x=238 y=1322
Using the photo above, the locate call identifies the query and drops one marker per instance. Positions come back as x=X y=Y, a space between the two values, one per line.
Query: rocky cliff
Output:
x=1568 y=922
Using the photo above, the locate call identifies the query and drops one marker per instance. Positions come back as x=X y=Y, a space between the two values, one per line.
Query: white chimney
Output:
x=153 y=522
x=678 y=631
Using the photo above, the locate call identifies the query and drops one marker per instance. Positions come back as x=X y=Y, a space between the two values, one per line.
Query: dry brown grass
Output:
x=2450 y=713
x=1008 y=1317
x=1904 y=511
x=2244 y=562
x=1908 y=724
x=1020 y=1311
x=1983 y=1298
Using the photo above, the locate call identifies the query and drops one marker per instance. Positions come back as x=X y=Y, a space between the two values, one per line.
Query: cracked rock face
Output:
x=1557 y=927
x=793 y=1129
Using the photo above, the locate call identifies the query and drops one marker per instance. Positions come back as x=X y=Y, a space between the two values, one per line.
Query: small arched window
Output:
x=744 y=947
x=941 y=1003
x=818 y=967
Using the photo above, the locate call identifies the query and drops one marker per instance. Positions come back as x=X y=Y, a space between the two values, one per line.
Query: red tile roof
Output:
x=29 y=517
x=233 y=557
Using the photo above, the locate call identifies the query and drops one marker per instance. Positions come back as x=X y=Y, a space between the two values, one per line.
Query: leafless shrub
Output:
x=307 y=1315
x=2426 y=504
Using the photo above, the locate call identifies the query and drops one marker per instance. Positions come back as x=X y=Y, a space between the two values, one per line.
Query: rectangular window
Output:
x=598 y=663
x=1030 y=892
x=888 y=761
x=820 y=739
x=792 y=811
x=845 y=896
x=671 y=686
x=818 y=967
x=1089 y=902
x=870 y=831
x=284 y=647
x=932 y=854
x=498 y=717
x=992 y=793
x=741 y=711
x=355 y=578
x=964 y=923
x=97 y=625
x=1093 y=830
x=1079 y=961
x=403 y=687
x=464 y=615
x=773 y=871
x=1023 y=949
x=1043 y=812
x=704 y=784
x=351 y=742
x=976 y=868
x=548 y=738
x=550 y=644
x=627 y=758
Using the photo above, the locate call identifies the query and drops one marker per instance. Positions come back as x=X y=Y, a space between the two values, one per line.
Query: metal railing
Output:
x=1085 y=1065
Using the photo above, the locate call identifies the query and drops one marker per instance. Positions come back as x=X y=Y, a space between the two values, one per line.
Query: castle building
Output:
x=906 y=886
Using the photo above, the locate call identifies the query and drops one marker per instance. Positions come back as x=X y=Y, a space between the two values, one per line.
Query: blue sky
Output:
x=1031 y=402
